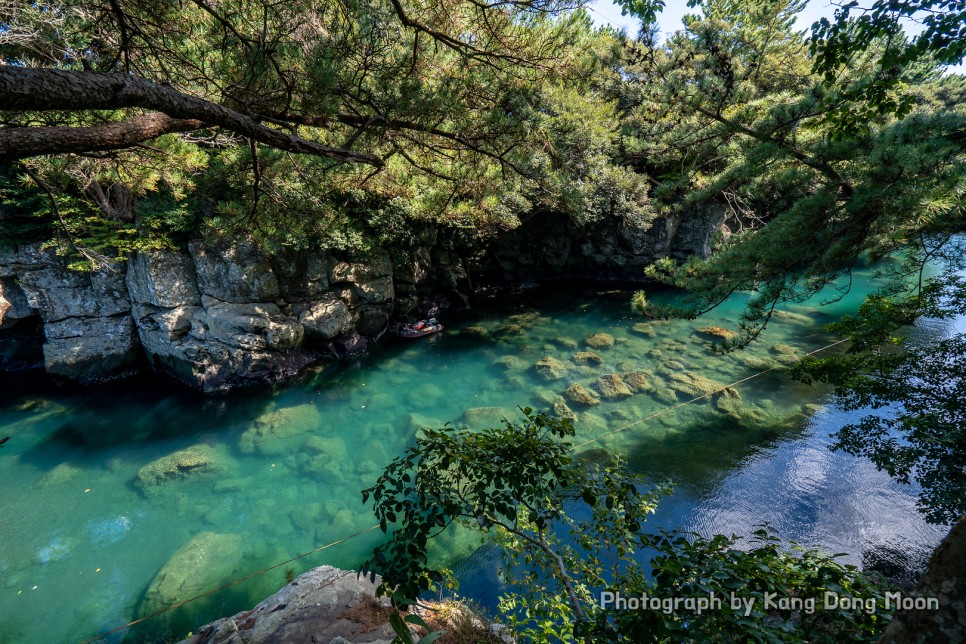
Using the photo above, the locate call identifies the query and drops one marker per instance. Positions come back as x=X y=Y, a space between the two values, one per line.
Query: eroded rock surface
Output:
x=323 y=606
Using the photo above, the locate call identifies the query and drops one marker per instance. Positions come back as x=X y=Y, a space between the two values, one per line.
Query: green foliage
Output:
x=730 y=118
x=779 y=579
x=569 y=531
x=472 y=132
x=497 y=478
x=639 y=302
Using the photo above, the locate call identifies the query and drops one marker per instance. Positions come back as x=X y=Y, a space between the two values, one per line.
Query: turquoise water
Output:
x=91 y=516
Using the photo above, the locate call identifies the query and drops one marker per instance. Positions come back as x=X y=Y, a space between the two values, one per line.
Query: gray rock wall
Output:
x=86 y=321
x=225 y=316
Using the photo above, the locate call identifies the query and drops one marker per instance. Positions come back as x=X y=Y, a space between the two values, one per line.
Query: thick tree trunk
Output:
x=23 y=142
x=43 y=89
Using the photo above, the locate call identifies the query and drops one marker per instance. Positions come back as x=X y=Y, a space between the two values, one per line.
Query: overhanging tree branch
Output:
x=24 y=142
x=43 y=89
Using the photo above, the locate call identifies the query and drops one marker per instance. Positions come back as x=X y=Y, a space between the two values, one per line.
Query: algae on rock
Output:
x=612 y=387
x=599 y=340
x=586 y=358
x=197 y=459
x=578 y=394
x=281 y=430
x=205 y=560
x=550 y=368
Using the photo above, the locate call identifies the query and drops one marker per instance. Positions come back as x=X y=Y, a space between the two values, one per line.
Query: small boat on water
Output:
x=419 y=329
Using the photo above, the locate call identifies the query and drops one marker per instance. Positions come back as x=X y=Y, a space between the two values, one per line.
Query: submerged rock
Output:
x=550 y=368
x=416 y=422
x=599 y=340
x=795 y=318
x=424 y=395
x=323 y=458
x=511 y=363
x=645 y=329
x=637 y=381
x=612 y=387
x=198 y=459
x=480 y=417
x=562 y=410
x=476 y=331
x=665 y=394
x=716 y=333
x=592 y=423
x=281 y=430
x=60 y=474
x=564 y=342
x=756 y=362
x=586 y=358
x=729 y=402
x=204 y=561
x=692 y=385
x=785 y=354
x=577 y=393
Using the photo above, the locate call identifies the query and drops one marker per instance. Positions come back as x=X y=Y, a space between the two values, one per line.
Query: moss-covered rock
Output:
x=562 y=410
x=664 y=394
x=586 y=358
x=670 y=367
x=476 y=332
x=549 y=368
x=755 y=362
x=644 y=328
x=785 y=354
x=716 y=333
x=324 y=458
x=580 y=395
x=599 y=340
x=637 y=381
x=691 y=385
x=198 y=459
x=612 y=387
x=729 y=402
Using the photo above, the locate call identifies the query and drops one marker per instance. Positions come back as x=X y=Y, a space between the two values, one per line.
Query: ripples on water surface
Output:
x=279 y=471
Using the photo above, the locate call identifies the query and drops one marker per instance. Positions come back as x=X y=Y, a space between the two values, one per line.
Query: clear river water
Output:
x=95 y=533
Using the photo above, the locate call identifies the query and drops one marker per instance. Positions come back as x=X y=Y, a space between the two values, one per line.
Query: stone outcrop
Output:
x=549 y=246
x=325 y=605
x=213 y=318
x=222 y=316
x=944 y=582
x=84 y=316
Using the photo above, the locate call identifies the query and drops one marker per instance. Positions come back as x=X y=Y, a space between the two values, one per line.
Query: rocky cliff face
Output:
x=221 y=317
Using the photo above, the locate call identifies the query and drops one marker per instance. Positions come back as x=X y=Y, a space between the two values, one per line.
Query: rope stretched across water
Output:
x=374 y=527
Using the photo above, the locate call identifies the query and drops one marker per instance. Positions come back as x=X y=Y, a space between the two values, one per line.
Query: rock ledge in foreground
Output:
x=321 y=606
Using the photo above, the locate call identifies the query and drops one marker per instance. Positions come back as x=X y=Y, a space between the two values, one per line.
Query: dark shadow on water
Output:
x=715 y=448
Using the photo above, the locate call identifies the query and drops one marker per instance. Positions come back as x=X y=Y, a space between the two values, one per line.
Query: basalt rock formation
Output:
x=221 y=316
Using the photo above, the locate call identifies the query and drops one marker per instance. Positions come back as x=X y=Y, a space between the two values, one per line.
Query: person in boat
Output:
x=423 y=327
